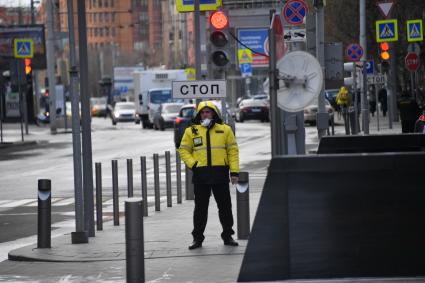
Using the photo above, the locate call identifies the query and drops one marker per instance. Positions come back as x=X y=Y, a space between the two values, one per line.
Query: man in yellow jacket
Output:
x=209 y=148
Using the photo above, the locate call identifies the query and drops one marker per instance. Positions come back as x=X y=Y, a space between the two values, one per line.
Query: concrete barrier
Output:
x=335 y=216
x=372 y=143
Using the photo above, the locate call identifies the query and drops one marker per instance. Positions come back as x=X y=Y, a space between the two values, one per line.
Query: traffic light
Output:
x=219 y=39
x=28 y=67
x=384 y=54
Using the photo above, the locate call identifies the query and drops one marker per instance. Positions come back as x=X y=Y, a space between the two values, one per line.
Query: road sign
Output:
x=412 y=62
x=354 y=52
x=255 y=39
x=246 y=70
x=204 y=5
x=191 y=74
x=295 y=35
x=23 y=48
x=385 y=7
x=244 y=56
x=294 y=12
x=370 y=67
x=414 y=31
x=386 y=30
x=199 y=89
x=414 y=47
x=376 y=79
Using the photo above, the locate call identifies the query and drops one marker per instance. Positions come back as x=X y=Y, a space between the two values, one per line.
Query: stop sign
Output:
x=412 y=61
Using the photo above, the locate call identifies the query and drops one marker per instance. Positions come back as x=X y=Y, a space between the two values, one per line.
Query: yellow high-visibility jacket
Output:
x=210 y=152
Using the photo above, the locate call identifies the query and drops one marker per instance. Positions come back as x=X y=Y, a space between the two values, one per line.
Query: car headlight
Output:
x=117 y=114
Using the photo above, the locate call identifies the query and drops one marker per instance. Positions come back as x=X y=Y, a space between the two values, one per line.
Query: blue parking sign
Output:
x=369 y=67
x=246 y=69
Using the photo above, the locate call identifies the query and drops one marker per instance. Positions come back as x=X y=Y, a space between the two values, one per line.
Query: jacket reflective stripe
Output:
x=212 y=147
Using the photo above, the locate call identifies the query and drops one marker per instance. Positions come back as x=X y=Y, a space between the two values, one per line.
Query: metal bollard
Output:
x=242 y=203
x=156 y=182
x=168 y=178
x=44 y=213
x=99 y=214
x=144 y=185
x=130 y=178
x=134 y=242
x=189 y=185
x=179 y=177
x=115 y=203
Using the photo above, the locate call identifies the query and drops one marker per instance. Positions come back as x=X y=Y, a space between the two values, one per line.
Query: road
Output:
x=52 y=158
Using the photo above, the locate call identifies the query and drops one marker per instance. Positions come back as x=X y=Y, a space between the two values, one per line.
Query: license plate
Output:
x=256 y=110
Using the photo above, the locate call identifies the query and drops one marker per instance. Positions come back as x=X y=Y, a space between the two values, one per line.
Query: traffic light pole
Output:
x=363 y=43
x=51 y=67
x=197 y=31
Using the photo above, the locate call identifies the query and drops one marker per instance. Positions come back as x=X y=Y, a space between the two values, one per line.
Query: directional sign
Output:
x=199 y=89
x=204 y=5
x=354 y=52
x=414 y=31
x=386 y=30
x=246 y=70
x=295 y=35
x=412 y=62
x=369 y=67
x=294 y=12
x=23 y=48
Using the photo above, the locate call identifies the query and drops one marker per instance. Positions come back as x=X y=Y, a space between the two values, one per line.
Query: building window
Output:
x=106 y=31
x=94 y=3
x=106 y=3
x=100 y=17
x=113 y=32
x=100 y=3
x=106 y=17
x=112 y=3
x=113 y=17
x=94 y=17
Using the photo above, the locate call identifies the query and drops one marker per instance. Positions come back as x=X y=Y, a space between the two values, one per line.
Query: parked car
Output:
x=254 y=108
x=182 y=121
x=98 y=106
x=330 y=95
x=311 y=111
x=123 y=112
x=166 y=114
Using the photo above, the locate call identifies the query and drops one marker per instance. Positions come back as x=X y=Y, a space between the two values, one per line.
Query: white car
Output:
x=311 y=110
x=123 y=112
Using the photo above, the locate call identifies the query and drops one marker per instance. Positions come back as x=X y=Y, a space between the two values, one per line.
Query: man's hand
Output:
x=234 y=179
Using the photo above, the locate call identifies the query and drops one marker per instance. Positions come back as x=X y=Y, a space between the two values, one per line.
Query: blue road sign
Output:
x=23 y=48
x=354 y=52
x=255 y=39
x=369 y=67
x=386 y=30
x=414 y=31
x=246 y=69
x=295 y=11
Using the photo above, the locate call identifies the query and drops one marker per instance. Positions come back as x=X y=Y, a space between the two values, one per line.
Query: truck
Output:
x=151 y=88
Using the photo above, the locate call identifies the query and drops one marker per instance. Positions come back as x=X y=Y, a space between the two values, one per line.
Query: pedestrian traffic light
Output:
x=28 y=67
x=384 y=54
x=219 y=39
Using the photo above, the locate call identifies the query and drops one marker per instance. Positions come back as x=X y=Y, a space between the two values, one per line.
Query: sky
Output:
x=15 y=3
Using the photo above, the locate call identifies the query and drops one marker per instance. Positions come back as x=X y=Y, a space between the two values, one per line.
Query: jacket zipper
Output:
x=208 y=148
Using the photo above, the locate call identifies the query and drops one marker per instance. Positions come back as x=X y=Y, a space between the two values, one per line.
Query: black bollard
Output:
x=179 y=177
x=144 y=185
x=168 y=178
x=242 y=203
x=130 y=177
x=156 y=182
x=44 y=214
x=134 y=242
x=115 y=203
x=99 y=214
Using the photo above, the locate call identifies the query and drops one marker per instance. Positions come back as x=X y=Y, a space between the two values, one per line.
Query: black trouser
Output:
x=200 y=215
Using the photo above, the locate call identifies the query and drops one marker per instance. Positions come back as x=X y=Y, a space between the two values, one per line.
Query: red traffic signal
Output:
x=219 y=20
x=28 y=67
x=384 y=48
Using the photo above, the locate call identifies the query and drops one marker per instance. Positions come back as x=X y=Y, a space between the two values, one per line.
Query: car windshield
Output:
x=260 y=97
x=332 y=93
x=124 y=106
x=171 y=108
x=188 y=112
x=160 y=96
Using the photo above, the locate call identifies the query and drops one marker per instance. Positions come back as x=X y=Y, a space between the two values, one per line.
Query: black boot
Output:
x=230 y=242
x=195 y=244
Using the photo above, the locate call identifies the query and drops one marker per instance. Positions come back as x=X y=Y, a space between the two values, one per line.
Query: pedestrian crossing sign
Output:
x=414 y=31
x=23 y=48
x=386 y=30
x=191 y=74
x=245 y=56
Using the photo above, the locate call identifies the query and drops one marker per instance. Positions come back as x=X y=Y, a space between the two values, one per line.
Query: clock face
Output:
x=302 y=81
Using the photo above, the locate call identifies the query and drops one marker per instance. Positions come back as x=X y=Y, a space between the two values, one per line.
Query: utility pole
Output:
x=363 y=44
x=197 y=44
x=34 y=72
x=80 y=235
x=322 y=115
x=86 y=120
x=51 y=67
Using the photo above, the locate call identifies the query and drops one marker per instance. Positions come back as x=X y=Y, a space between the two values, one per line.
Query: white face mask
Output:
x=206 y=122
